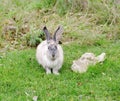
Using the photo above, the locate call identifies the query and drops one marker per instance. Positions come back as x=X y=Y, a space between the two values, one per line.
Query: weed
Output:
x=34 y=37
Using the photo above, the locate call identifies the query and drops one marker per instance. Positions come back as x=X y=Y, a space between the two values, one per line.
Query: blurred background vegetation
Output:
x=89 y=22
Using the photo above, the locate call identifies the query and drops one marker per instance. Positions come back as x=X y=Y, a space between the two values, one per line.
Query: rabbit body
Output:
x=43 y=58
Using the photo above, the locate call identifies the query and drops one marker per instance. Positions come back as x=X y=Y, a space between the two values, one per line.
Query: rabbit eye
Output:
x=48 y=47
x=55 y=47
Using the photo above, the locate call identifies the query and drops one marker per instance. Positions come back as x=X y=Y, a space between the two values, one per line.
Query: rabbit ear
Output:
x=58 y=34
x=46 y=33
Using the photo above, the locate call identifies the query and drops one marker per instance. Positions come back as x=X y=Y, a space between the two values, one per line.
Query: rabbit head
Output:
x=52 y=42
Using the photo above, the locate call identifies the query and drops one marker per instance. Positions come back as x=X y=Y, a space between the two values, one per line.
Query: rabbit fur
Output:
x=49 y=53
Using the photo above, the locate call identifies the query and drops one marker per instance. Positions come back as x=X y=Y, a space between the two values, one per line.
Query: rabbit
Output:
x=49 y=53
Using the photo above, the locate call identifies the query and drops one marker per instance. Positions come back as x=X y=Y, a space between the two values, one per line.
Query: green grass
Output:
x=22 y=77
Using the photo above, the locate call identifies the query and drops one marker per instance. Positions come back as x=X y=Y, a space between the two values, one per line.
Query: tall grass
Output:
x=101 y=15
x=77 y=16
x=89 y=6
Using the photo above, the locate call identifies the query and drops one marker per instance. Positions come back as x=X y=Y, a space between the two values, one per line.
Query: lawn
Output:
x=22 y=78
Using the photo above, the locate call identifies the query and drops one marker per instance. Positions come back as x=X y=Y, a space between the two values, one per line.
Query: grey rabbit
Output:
x=49 y=53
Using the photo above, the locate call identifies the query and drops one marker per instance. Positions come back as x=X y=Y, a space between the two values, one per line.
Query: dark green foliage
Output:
x=34 y=38
x=44 y=4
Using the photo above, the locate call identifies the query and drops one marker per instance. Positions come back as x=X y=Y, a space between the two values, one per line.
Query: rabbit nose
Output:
x=53 y=55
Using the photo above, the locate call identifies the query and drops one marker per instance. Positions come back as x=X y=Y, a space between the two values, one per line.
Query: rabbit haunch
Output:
x=49 y=53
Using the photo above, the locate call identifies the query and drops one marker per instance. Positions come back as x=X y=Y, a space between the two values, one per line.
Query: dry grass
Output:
x=85 y=21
